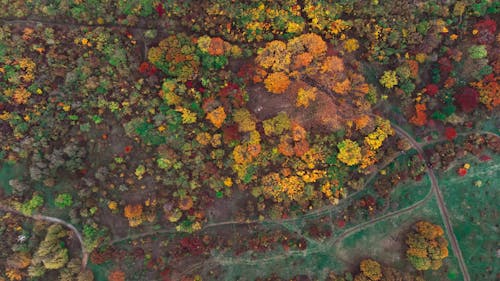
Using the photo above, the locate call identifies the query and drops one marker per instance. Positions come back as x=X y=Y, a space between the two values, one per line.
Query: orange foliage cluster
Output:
x=413 y=64
x=217 y=116
x=368 y=157
x=426 y=246
x=133 y=211
x=277 y=82
x=216 y=47
x=362 y=121
x=489 y=91
x=420 y=117
x=14 y=274
x=428 y=230
x=21 y=96
x=302 y=60
x=186 y=203
x=332 y=64
x=343 y=87
x=294 y=144
x=307 y=43
x=116 y=275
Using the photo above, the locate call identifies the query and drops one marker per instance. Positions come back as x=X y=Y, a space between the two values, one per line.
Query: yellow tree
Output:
x=349 y=152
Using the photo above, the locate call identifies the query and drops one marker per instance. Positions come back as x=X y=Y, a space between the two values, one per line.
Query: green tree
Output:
x=63 y=200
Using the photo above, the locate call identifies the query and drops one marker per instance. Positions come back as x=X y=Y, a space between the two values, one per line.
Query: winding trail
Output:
x=441 y=204
x=85 y=254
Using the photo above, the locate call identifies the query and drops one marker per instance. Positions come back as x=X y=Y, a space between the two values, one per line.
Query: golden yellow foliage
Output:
x=371 y=269
x=203 y=138
x=277 y=82
x=217 y=116
x=228 y=182
x=274 y=56
x=417 y=252
x=389 y=79
x=28 y=65
x=216 y=140
x=293 y=187
x=304 y=96
x=313 y=176
x=112 y=205
x=240 y=154
x=351 y=45
x=293 y=27
x=349 y=152
x=188 y=117
x=254 y=137
x=375 y=139
x=338 y=26
x=245 y=120
x=155 y=54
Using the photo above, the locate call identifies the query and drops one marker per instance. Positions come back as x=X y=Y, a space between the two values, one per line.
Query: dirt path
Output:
x=85 y=254
x=441 y=204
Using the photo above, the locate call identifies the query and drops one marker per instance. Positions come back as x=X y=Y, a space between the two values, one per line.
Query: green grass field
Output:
x=473 y=205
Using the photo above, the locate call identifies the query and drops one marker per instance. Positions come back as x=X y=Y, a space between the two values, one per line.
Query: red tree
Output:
x=468 y=99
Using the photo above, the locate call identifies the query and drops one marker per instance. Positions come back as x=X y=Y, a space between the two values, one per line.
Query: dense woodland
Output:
x=131 y=118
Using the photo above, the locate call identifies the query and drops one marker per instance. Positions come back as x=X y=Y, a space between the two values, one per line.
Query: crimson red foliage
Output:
x=146 y=68
x=246 y=71
x=486 y=31
x=128 y=149
x=450 y=133
x=468 y=100
x=431 y=89
x=340 y=223
x=193 y=245
x=484 y=158
x=165 y=274
x=160 y=10
x=445 y=65
x=462 y=172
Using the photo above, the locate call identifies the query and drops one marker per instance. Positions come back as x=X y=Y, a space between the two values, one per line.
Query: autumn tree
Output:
x=277 y=82
x=175 y=56
x=116 y=275
x=51 y=254
x=426 y=246
x=371 y=269
x=134 y=214
x=349 y=152
x=304 y=68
